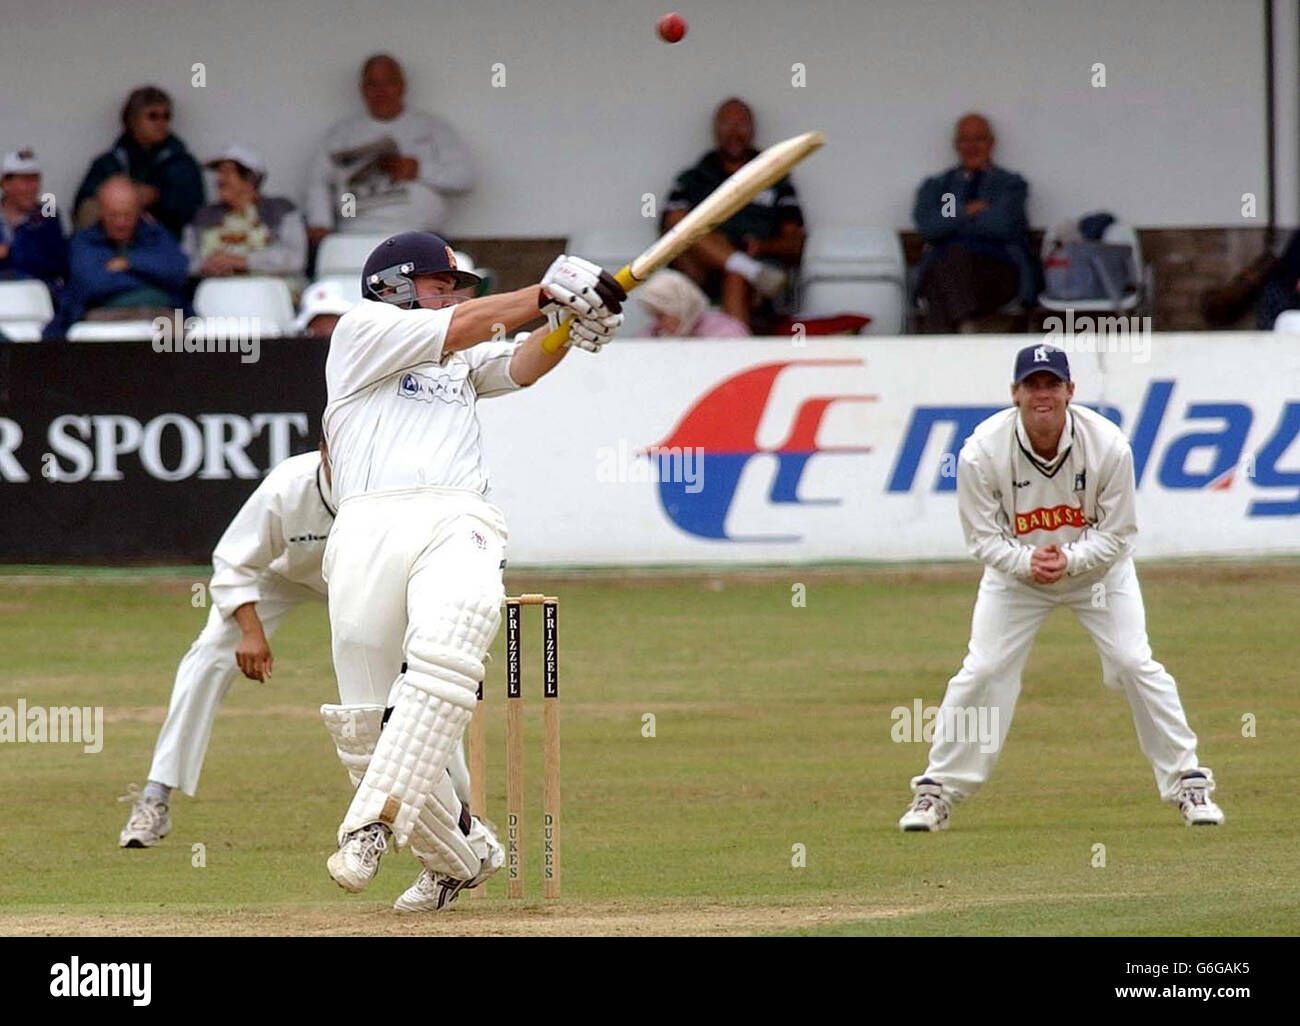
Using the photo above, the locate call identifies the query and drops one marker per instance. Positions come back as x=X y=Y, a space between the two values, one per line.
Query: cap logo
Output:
x=1040 y=355
x=451 y=258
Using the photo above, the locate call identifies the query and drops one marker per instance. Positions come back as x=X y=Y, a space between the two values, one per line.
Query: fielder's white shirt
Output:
x=399 y=413
x=1011 y=501
x=346 y=164
x=281 y=529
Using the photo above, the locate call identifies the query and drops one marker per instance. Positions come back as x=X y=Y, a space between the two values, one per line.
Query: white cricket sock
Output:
x=157 y=792
x=744 y=265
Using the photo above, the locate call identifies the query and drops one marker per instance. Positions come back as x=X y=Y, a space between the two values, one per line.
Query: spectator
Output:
x=244 y=232
x=398 y=164
x=167 y=179
x=31 y=244
x=127 y=267
x=973 y=217
x=1281 y=290
x=752 y=255
x=322 y=305
x=681 y=309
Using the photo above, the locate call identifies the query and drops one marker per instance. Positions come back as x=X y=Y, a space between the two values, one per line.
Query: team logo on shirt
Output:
x=446 y=384
x=1049 y=518
x=1079 y=480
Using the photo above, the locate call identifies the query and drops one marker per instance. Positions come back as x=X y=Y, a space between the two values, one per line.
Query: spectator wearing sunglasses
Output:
x=167 y=178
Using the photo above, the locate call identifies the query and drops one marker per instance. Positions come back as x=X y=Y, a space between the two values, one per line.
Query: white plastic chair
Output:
x=25 y=309
x=1288 y=322
x=111 y=331
x=341 y=254
x=1118 y=234
x=855 y=270
x=267 y=299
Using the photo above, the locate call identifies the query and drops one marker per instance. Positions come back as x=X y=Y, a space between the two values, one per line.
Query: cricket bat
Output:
x=769 y=167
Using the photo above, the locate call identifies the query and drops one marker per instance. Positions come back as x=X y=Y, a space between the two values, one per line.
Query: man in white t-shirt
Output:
x=389 y=169
x=415 y=562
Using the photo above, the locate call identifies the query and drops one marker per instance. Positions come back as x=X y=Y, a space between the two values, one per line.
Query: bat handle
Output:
x=553 y=342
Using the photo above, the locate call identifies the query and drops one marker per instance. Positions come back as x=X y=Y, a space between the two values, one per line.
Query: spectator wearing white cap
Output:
x=31 y=244
x=244 y=232
x=323 y=304
x=681 y=309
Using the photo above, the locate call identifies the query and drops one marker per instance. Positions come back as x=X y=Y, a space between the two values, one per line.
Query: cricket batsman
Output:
x=416 y=558
x=1046 y=496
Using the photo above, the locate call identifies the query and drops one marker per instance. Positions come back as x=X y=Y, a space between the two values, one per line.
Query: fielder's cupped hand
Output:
x=1047 y=564
x=581 y=288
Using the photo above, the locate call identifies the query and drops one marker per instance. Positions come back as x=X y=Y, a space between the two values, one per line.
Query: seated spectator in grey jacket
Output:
x=166 y=177
x=127 y=267
x=31 y=244
x=244 y=232
x=973 y=217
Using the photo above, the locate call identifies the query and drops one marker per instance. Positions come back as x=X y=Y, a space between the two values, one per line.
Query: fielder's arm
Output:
x=986 y=538
x=1111 y=538
x=253 y=653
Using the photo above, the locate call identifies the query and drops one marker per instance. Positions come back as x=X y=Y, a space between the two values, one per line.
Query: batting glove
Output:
x=591 y=333
x=581 y=288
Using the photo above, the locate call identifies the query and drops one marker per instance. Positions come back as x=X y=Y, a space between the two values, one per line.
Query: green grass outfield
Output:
x=772 y=729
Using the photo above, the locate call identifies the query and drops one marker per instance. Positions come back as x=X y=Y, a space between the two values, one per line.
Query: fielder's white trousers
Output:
x=204 y=677
x=1008 y=613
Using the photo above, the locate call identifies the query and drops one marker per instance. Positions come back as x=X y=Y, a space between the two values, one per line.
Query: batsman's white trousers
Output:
x=203 y=678
x=1008 y=613
x=415 y=576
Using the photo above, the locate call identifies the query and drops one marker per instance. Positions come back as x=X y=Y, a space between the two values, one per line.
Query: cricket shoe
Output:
x=1195 y=801
x=148 y=823
x=432 y=891
x=929 y=809
x=356 y=862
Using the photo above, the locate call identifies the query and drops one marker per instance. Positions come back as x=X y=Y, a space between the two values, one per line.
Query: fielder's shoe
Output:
x=1195 y=801
x=148 y=823
x=356 y=862
x=434 y=891
x=771 y=281
x=928 y=811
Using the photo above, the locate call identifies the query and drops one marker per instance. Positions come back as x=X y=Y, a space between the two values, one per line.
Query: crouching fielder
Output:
x=267 y=562
x=416 y=557
x=1046 y=496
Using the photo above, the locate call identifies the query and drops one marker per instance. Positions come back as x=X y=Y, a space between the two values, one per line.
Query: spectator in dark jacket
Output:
x=973 y=217
x=127 y=267
x=31 y=244
x=167 y=178
x=753 y=254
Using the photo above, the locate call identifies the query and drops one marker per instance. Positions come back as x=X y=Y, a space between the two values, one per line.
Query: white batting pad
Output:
x=410 y=758
x=437 y=838
x=355 y=731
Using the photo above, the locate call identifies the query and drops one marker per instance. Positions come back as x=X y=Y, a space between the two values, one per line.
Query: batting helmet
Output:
x=397 y=260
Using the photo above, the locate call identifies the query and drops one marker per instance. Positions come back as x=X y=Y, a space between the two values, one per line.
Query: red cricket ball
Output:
x=671 y=27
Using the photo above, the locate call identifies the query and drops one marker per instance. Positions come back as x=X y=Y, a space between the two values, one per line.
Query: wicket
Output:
x=515 y=749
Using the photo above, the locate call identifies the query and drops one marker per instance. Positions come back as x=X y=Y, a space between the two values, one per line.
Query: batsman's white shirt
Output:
x=399 y=413
x=1011 y=501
